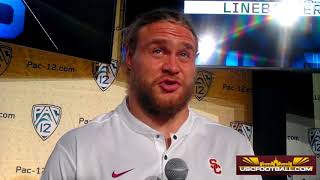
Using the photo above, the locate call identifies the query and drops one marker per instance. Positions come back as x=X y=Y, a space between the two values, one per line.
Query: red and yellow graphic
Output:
x=276 y=165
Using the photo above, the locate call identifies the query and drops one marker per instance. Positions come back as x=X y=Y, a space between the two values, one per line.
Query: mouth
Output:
x=169 y=85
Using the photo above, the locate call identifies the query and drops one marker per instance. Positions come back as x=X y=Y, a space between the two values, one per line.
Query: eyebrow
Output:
x=189 y=46
x=164 y=41
x=156 y=41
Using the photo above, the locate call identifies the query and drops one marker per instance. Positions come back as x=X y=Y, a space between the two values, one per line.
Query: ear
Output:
x=129 y=59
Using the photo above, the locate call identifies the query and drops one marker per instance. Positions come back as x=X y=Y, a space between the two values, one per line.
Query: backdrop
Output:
x=45 y=94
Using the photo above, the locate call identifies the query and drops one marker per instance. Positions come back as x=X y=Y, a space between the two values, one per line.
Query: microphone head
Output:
x=176 y=169
x=152 y=178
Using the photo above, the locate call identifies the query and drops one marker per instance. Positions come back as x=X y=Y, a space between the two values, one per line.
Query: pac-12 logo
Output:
x=45 y=119
x=202 y=84
x=5 y=57
x=314 y=140
x=242 y=128
x=105 y=74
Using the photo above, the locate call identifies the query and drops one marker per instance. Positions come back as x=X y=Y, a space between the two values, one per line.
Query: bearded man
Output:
x=153 y=124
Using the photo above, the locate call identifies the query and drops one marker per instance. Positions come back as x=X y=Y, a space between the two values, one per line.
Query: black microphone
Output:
x=176 y=169
x=152 y=178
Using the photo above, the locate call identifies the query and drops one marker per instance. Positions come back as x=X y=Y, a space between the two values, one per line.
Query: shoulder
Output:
x=98 y=125
x=204 y=123
x=221 y=135
x=209 y=128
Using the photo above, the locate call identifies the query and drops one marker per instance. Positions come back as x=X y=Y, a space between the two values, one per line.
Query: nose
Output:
x=171 y=66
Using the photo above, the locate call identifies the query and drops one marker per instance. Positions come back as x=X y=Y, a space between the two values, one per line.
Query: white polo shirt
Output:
x=116 y=145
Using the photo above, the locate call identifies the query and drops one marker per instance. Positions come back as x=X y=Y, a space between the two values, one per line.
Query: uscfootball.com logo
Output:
x=105 y=74
x=45 y=119
x=5 y=57
x=314 y=140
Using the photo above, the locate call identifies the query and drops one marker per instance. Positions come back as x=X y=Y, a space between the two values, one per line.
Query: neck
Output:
x=165 y=125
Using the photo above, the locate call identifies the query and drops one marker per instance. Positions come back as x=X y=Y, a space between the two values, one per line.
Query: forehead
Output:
x=166 y=30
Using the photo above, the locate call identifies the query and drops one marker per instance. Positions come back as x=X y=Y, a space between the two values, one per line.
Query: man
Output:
x=153 y=124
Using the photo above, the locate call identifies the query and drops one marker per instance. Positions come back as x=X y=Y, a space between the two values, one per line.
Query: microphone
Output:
x=152 y=178
x=176 y=169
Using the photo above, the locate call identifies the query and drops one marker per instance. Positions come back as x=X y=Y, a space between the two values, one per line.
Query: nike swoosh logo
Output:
x=115 y=175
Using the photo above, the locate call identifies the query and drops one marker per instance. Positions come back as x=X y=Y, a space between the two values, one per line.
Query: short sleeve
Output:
x=60 y=165
x=246 y=149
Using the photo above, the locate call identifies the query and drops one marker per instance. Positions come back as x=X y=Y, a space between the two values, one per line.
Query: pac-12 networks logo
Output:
x=243 y=128
x=276 y=165
x=105 y=74
x=202 y=84
x=314 y=140
x=45 y=119
x=5 y=57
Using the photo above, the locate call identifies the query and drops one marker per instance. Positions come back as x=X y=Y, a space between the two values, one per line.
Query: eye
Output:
x=157 y=51
x=184 y=55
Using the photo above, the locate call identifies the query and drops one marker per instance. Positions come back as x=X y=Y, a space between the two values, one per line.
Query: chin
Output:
x=170 y=95
x=157 y=102
x=170 y=99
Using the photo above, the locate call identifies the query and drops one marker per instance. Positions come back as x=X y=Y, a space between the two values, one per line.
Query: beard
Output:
x=152 y=102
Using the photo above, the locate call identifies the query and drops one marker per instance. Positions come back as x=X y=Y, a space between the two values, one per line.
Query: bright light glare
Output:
x=207 y=46
x=287 y=12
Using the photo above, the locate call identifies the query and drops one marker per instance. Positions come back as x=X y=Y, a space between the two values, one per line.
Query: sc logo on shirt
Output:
x=12 y=14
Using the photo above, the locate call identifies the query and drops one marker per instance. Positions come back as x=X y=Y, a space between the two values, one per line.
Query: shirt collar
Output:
x=138 y=126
